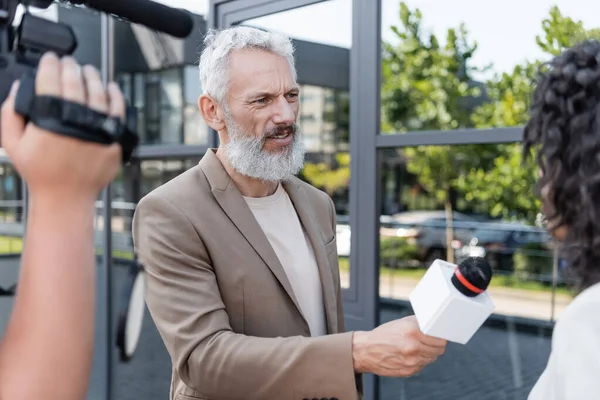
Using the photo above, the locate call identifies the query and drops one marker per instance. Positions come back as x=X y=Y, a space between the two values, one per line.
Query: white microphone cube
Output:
x=444 y=312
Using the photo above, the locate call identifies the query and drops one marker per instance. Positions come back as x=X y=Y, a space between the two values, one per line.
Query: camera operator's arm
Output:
x=48 y=346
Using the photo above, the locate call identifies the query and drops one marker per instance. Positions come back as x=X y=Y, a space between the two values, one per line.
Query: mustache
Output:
x=278 y=130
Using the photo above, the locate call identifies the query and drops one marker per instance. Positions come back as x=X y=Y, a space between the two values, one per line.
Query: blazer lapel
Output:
x=232 y=202
x=309 y=221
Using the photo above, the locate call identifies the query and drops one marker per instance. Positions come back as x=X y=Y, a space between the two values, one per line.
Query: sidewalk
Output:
x=508 y=301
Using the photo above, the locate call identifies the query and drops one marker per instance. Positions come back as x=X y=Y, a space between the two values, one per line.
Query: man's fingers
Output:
x=431 y=352
x=48 y=78
x=116 y=101
x=12 y=124
x=73 y=86
x=97 y=99
x=433 y=342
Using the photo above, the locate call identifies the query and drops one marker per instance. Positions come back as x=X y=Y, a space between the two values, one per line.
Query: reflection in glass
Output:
x=171 y=106
x=322 y=63
x=166 y=105
x=446 y=67
x=155 y=173
x=11 y=195
x=124 y=193
x=11 y=237
x=452 y=202
x=195 y=129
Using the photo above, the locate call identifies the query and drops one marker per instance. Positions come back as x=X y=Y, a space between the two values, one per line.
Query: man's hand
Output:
x=397 y=348
x=54 y=166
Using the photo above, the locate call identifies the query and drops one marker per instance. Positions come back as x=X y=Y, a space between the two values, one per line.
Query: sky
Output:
x=505 y=30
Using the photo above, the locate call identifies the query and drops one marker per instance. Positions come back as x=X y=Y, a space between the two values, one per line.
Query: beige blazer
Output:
x=221 y=299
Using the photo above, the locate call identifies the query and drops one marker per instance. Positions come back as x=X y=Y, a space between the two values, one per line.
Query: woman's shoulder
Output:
x=580 y=318
x=585 y=300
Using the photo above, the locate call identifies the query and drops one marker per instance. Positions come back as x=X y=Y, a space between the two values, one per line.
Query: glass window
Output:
x=171 y=106
x=446 y=67
x=125 y=82
x=452 y=202
x=11 y=212
x=155 y=173
x=11 y=237
x=152 y=110
x=195 y=129
x=449 y=65
x=166 y=104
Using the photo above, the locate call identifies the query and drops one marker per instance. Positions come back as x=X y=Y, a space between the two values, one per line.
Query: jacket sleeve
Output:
x=183 y=298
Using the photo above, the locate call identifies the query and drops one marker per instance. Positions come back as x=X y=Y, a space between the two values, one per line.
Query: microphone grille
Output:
x=477 y=272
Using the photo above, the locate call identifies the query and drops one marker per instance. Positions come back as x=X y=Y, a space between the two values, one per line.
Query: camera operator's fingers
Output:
x=48 y=78
x=73 y=86
x=12 y=124
x=97 y=99
x=116 y=100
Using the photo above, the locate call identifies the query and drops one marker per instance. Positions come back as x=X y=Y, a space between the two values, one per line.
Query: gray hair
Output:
x=218 y=45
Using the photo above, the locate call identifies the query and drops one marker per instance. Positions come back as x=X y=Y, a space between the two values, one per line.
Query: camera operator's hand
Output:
x=55 y=166
x=47 y=348
x=397 y=348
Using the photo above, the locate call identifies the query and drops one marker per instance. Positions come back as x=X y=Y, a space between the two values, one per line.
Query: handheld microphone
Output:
x=472 y=276
x=451 y=302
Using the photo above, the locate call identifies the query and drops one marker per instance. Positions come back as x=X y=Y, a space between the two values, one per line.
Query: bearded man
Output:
x=241 y=257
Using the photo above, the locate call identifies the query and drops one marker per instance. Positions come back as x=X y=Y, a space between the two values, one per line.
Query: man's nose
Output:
x=284 y=112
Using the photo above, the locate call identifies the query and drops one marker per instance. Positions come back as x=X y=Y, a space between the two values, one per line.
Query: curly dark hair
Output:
x=564 y=128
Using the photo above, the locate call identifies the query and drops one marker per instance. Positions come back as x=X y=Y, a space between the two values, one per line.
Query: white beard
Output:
x=246 y=155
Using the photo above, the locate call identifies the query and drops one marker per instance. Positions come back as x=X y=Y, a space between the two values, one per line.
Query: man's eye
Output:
x=261 y=100
x=293 y=95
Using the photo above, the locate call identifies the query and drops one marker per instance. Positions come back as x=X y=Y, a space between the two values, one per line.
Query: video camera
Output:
x=22 y=47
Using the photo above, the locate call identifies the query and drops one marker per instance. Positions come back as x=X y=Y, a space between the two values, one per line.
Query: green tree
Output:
x=561 y=32
x=334 y=177
x=506 y=188
x=427 y=86
x=329 y=179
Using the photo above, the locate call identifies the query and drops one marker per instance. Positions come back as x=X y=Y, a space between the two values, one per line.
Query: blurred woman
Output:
x=564 y=129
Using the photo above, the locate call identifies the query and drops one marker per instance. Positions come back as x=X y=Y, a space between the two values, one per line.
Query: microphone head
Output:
x=472 y=276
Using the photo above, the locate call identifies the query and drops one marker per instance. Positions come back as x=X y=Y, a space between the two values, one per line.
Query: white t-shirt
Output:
x=279 y=221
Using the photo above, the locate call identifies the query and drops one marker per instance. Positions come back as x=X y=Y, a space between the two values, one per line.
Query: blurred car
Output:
x=498 y=241
x=342 y=230
x=427 y=230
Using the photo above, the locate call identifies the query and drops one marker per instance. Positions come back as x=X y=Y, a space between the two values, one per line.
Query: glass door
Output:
x=339 y=120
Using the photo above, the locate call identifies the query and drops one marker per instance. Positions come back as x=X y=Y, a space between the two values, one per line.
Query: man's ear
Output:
x=209 y=110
